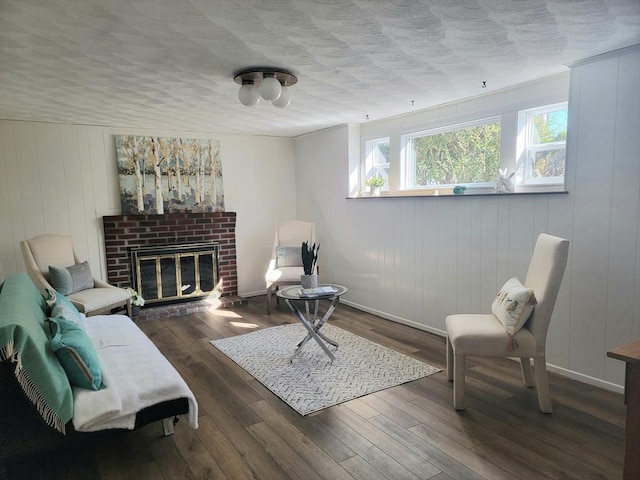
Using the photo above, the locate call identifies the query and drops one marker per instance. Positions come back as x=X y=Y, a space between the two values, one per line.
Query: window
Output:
x=466 y=154
x=377 y=160
x=465 y=147
x=542 y=145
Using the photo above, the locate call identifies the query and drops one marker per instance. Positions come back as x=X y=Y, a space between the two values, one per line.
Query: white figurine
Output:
x=505 y=184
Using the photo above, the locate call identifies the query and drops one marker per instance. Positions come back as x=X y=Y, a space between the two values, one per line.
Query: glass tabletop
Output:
x=327 y=290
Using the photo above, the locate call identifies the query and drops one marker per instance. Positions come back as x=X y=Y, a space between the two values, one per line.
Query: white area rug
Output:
x=312 y=382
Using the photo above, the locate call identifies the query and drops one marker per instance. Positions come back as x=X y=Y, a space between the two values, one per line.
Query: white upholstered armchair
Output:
x=47 y=250
x=285 y=267
x=483 y=335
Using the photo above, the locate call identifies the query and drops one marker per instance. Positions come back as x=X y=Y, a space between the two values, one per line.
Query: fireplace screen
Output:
x=175 y=272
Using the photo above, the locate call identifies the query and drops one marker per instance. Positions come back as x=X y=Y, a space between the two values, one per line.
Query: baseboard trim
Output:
x=395 y=318
x=253 y=294
x=580 y=377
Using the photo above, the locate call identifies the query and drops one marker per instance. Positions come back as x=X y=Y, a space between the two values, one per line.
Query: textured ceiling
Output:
x=169 y=64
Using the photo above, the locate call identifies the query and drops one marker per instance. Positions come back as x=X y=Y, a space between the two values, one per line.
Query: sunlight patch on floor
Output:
x=224 y=313
x=243 y=325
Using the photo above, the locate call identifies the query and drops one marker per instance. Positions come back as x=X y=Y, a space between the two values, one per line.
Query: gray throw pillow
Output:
x=288 y=257
x=71 y=279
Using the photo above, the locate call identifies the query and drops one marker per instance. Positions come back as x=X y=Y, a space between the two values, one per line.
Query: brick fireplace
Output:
x=122 y=233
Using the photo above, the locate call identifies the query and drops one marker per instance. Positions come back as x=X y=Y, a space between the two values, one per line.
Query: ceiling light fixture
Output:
x=271 y=84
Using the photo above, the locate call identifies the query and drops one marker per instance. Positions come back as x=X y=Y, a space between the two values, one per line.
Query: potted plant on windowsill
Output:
x=375 y=183
x=309 y=259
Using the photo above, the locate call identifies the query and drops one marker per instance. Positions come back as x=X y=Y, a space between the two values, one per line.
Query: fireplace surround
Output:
x=126 y=233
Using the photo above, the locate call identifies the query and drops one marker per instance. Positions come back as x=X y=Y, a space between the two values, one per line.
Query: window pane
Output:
x=377 y=160
x=549 y=127
x=381 y=153
x=547 y=163
x=545 y=145
x=467 y=155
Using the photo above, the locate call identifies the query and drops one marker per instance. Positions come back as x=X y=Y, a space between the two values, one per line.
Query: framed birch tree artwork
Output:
x=169 y=175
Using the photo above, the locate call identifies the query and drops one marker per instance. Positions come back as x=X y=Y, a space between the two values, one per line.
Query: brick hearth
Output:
x=186 y=308
x=121 y=232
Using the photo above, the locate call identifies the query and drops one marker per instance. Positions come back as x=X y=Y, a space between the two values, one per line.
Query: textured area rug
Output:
x=312 y=382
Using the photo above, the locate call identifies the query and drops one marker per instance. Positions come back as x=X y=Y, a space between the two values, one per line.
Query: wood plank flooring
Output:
x=406 y=432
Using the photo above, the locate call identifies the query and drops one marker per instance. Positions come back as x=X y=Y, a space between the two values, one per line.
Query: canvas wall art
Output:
x=169 y=175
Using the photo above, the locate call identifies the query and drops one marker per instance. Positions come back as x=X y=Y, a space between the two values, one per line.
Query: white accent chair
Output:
x=484 y=336
x=57 y=250
x=288 y=234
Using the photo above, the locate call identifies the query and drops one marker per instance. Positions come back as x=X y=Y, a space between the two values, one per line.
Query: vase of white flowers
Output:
x=136 y=301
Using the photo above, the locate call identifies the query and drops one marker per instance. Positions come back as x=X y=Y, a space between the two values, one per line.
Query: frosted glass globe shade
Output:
x=270 y=88
x=284 y=99
x=248 y=95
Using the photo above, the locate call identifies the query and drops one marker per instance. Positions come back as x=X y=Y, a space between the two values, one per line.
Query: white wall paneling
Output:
x=60 y=178
x=9 y=203
x=623 y=286
x=416 y=260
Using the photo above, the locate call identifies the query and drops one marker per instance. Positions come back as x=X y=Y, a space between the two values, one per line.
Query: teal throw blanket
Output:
x=24 y=340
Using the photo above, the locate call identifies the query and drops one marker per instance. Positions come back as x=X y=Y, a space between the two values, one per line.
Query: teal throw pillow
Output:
x=60 y=279
x=76 y=353
x=71 y=279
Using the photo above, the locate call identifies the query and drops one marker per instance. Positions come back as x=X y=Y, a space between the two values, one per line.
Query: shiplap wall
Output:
x=59 y=178
x=416 y=260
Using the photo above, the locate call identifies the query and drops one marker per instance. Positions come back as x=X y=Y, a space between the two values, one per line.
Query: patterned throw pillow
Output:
x=63 y=308
x=76 y=353
x=513 y=305
x=71 y=279
x=51 y=300
x=288 y=257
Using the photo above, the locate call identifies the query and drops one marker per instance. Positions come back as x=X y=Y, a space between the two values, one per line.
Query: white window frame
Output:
x=408 y=160
x=373 y=166
x=503 y=104
x=525 y=148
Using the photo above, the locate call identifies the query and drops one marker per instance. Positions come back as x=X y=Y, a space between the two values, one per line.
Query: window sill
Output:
x=439 y=194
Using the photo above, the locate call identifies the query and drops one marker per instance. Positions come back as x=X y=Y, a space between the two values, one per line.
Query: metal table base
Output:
x=313 y=324
x=309 y=317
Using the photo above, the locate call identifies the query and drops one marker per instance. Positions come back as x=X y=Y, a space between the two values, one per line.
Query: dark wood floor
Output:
x=406 y=432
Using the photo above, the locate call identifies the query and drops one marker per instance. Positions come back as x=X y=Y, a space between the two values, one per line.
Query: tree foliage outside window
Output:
x=463 y=156
x=548 y=135
x=549 y=163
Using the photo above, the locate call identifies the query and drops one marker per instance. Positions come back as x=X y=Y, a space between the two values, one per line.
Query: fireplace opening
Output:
x=171 y=273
